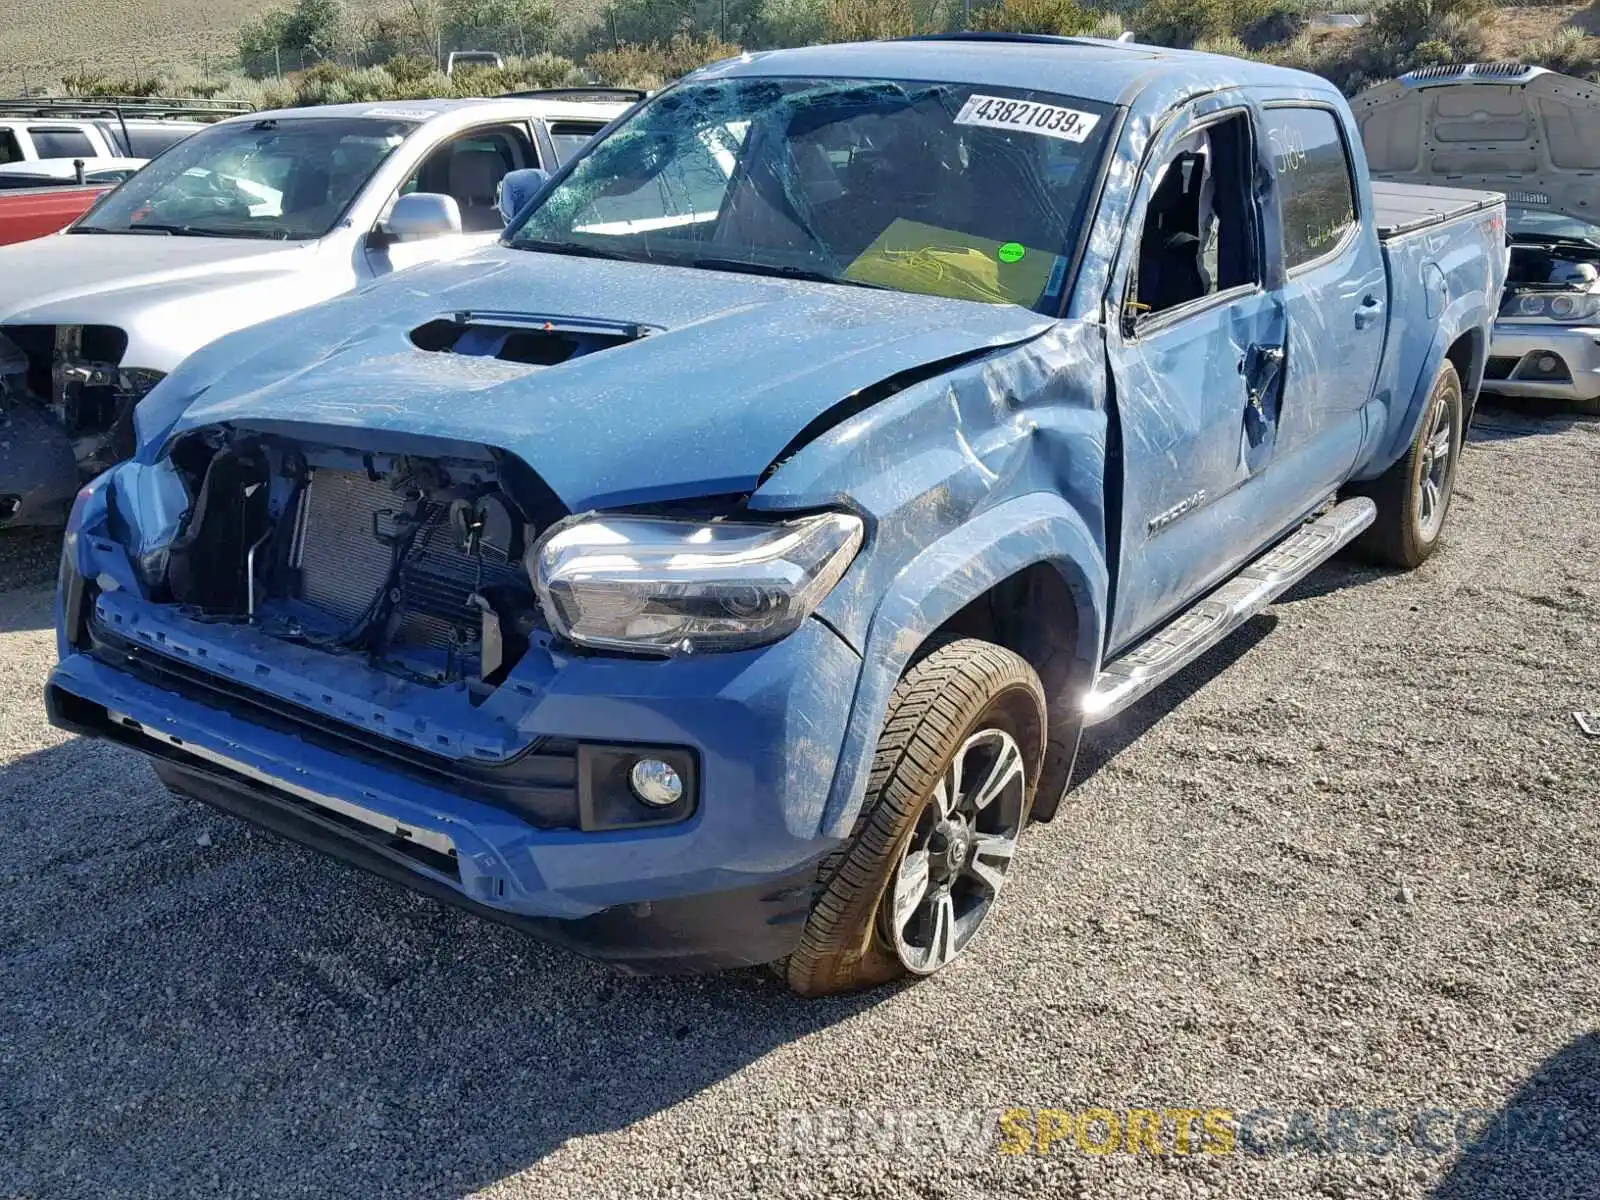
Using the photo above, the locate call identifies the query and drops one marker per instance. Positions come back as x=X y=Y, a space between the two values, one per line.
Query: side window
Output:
x=60 y=143
x=1315 y=188
x=148 y=142
x=1199 y=235
x=10 y=151
x=470 y=167
x=569 y=137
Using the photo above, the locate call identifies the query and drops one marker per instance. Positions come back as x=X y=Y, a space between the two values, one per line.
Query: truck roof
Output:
x=1089 y=68
x=423 y=111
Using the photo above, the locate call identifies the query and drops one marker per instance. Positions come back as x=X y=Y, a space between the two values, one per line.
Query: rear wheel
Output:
x=1413 y=496
x=951 y=785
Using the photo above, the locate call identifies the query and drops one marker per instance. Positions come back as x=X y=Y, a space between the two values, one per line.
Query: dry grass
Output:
x=41 y=40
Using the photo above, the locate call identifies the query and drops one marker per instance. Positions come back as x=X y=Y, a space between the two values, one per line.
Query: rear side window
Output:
x=10 y=151
x=147 y=142
x=571 y=136
x=61 y=143
x=1315 y=186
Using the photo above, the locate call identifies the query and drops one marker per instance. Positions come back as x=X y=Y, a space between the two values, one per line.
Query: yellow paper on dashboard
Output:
x=912 y=257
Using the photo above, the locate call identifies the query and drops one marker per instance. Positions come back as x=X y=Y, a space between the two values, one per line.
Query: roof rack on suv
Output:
x=163 y=107
x=631 y=95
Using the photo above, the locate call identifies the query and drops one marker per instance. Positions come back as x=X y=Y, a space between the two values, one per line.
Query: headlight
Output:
x=1563 y=307
x=660 y=586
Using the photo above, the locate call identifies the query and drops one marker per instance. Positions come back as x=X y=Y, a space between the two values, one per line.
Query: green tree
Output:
x=1035 y=16
x=508 y=26
x=313 y=28
x=291 y=37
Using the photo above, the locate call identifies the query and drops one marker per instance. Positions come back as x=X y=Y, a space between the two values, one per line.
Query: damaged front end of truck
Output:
x=66 y=414
x=393 y=656
x=592 y=685
x=572 y=582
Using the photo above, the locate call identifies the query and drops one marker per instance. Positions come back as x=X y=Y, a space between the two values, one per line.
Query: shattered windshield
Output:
x=945 y=189
x=286 y=179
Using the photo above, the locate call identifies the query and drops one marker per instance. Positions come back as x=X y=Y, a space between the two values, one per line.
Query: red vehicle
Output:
x=34 y=212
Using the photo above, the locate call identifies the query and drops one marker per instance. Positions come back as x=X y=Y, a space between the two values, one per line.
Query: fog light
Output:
x=1547 y=363
x=655 y=782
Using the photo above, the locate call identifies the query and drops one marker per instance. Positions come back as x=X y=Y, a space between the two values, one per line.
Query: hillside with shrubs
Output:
x=333 y=51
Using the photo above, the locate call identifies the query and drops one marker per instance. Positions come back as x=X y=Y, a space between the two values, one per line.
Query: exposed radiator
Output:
x=439 y=576
x=344 y=566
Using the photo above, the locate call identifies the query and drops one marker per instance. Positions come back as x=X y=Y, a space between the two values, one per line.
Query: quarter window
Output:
x=1315 y=188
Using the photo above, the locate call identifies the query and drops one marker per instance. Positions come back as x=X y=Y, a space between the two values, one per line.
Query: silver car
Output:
x=247 y=220
x=1534 y=135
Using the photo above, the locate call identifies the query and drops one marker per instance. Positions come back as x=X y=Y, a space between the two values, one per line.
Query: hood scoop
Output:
x=531 y=338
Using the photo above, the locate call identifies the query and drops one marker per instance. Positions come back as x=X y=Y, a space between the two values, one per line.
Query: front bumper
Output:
x=1517 y=367
x=729 y=886
x=732 y=928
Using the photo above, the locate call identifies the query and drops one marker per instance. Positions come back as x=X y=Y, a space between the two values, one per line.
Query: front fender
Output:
x=1469 y=313
x=939 y=582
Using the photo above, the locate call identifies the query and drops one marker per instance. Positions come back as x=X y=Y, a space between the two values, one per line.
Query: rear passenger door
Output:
x=1196 y=344
x=1335 y=294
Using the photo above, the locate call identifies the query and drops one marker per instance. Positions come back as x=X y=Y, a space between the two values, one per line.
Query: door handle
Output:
x=1371 y=309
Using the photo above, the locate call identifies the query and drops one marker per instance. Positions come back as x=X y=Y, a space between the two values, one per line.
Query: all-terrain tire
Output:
x=957 y=690
x=1406 y=531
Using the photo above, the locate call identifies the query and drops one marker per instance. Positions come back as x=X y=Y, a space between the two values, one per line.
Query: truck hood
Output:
x=1525 y=131
x=93 y=279
x=736 y=367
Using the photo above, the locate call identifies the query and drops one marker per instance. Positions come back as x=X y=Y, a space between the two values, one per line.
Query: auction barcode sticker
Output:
x=996 y=112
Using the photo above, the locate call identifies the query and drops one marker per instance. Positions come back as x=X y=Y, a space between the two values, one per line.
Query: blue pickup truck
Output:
x=722 y=568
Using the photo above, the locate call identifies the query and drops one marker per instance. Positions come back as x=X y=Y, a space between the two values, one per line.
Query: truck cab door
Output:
x=1335 y=295
x=1196 y=346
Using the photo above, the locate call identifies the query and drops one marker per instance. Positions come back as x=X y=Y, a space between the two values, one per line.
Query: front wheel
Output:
x=951 y=786
x=1413 y=496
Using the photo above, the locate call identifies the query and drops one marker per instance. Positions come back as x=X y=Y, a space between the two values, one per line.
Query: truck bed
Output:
x=1439 y=245
x=1402 y=208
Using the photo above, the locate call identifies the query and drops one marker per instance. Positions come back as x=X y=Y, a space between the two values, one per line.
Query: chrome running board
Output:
x=1198 y=628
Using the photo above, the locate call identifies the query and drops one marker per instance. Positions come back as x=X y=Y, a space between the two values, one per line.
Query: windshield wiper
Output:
x=1555 y=239
x=164 y=232
x=573 y=249
x=781 y=271
x=199 y=231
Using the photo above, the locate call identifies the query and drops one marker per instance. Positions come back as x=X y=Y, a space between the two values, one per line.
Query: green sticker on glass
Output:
x=1010 y=252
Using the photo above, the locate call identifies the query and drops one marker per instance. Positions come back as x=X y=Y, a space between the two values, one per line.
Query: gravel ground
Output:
x=1348 y=862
